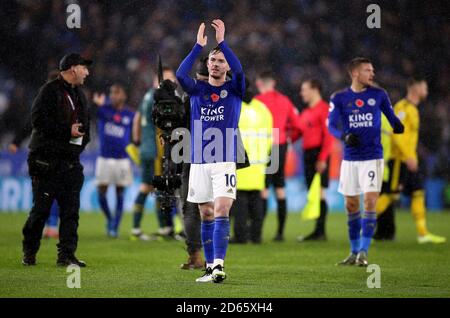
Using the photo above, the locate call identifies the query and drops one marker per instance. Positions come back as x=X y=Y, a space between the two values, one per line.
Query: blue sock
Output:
x=52 y=220
x=354 y=231
x=207 y=240
x=119 y=210
x=221 y=237
x=369 y=222
x=104 y=205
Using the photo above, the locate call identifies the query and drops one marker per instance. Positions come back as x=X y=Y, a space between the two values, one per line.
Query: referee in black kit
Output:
x=60 y=132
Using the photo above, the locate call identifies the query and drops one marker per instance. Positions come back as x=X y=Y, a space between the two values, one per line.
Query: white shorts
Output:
x=113 y=171
x=209 y=181
x=361 y=177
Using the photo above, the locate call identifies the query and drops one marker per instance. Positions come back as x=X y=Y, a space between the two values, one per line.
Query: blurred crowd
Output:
x=296 y=39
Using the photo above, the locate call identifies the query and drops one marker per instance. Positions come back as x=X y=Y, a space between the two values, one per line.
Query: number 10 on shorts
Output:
x=230 y=180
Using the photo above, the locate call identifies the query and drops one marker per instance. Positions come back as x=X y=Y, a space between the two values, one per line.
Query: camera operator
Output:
x=191 y=213
x=60 y=123
x=144 y=135
x=168 y=114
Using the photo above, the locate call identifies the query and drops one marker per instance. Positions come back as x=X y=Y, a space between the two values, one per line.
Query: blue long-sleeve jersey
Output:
x=217 y=108
x=360 y=114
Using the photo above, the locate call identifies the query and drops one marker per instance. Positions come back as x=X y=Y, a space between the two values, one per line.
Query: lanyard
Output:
x=72 y=105
x=70 y=101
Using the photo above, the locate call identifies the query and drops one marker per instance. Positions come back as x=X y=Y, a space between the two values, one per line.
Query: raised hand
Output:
x=202 y=39
x=99 y=99
x=219 y=26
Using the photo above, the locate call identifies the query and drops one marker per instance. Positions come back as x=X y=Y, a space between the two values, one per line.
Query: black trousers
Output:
x=278 y=179
x=60 y=181
x=311 y=157
x=248 y=216
x=191 y=214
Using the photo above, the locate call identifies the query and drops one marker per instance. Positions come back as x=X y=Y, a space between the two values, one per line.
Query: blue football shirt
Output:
x=360 y=114
x=114 y=130
x=215 y=110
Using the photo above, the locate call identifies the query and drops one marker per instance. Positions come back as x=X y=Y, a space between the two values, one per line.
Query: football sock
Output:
x=354 y=231
x=139 y=209
x=418 y=211
x=207 y=231
x=217 y=261
x=221 y=237
x=320 y=224
x=281 y=208
x=383 y=203
x=369 y=222
x=119 y=210
x=104 y=205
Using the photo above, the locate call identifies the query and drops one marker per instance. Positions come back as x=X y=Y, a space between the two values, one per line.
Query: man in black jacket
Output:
x=60 y=132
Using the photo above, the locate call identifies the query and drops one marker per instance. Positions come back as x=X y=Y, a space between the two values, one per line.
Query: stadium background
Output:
x=296 y=39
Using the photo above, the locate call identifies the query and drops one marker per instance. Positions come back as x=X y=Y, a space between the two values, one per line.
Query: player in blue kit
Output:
x=113 y=166
x=359 y=109
x=215 y=110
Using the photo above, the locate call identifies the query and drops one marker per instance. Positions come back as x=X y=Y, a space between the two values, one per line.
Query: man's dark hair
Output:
x=249 y=93
x=215 y=50
x=415 y=80
x=314 y=83
x=266 y=75
x=122 y=86
x=356 y=62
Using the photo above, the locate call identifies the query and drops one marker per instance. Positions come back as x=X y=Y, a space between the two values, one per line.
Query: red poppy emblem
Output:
x=359 y=103
x=117 y=118
x=215 y=97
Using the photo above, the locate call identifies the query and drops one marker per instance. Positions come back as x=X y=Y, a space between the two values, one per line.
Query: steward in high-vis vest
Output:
x=255 y=126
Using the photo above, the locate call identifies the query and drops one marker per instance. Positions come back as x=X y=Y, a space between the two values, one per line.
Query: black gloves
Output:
x=350 y=139
x=399 y=128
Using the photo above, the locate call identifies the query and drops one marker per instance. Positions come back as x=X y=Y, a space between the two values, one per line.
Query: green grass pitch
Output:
x=122 y=268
